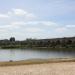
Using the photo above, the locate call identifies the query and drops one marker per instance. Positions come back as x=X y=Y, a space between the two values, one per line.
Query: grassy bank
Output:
x=36 y=61
x=49 y=48
x=37 y=48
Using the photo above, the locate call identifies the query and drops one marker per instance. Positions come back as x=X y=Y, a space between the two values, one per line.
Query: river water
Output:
x=26 y=54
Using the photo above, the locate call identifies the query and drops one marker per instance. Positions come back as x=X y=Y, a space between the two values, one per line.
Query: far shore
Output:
x=36 y=61
x=40 y=48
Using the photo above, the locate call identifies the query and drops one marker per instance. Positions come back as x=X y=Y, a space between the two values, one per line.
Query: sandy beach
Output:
x=60 y=68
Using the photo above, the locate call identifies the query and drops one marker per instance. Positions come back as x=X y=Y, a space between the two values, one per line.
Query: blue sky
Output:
x=37 y=19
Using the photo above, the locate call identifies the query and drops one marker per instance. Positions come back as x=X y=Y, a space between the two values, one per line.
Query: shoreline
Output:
x=40 y=48
x=35 y=61
x=59 y=68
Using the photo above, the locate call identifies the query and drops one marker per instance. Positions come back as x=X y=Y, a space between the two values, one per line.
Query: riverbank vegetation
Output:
x=39 y=43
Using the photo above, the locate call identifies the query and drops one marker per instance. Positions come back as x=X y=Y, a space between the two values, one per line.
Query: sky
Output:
x=37 y=19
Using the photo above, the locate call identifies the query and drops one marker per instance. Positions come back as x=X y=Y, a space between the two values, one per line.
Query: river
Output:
x=26 y=54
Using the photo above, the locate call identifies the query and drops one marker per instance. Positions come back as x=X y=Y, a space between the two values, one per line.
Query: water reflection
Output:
x=24 y=54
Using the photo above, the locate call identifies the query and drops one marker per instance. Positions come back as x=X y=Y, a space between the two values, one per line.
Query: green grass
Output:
x=38 y=48
x=55 y=49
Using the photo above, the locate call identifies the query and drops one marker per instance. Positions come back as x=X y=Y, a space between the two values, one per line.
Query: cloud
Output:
x=30 y=26
x=8 y=27
x=44 y=17
x=17 y=19
x=48 y=23
x=33 y=30
x=12 y=25
x=42 y=23
x=18 y=14
x=4 y=27
x=4 y=16
x=61 y=29
x=16 y=23
x=21 y=13
x=70 y=26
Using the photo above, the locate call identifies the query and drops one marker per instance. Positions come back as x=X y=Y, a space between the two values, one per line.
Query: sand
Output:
x=61 y=68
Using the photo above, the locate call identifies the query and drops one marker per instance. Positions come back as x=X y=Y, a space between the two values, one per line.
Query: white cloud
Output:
x=42 y=23
x=33 y=30
x=30 y=26
x=18 y=23
x=61 y=29
x=30 y=16
x=49 y=23
x=5 y=27
x=70 y=26
x=12 y=25
x=4 y=16
x=18 y=14
x=21 y=13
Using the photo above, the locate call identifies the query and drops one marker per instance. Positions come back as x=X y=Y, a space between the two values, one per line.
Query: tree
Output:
x=63 y=43
x=12 y=39
x=57 y=42
x=53 y=44
x=69 y=42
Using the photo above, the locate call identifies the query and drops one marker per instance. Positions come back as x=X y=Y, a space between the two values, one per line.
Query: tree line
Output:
x=30 y=43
